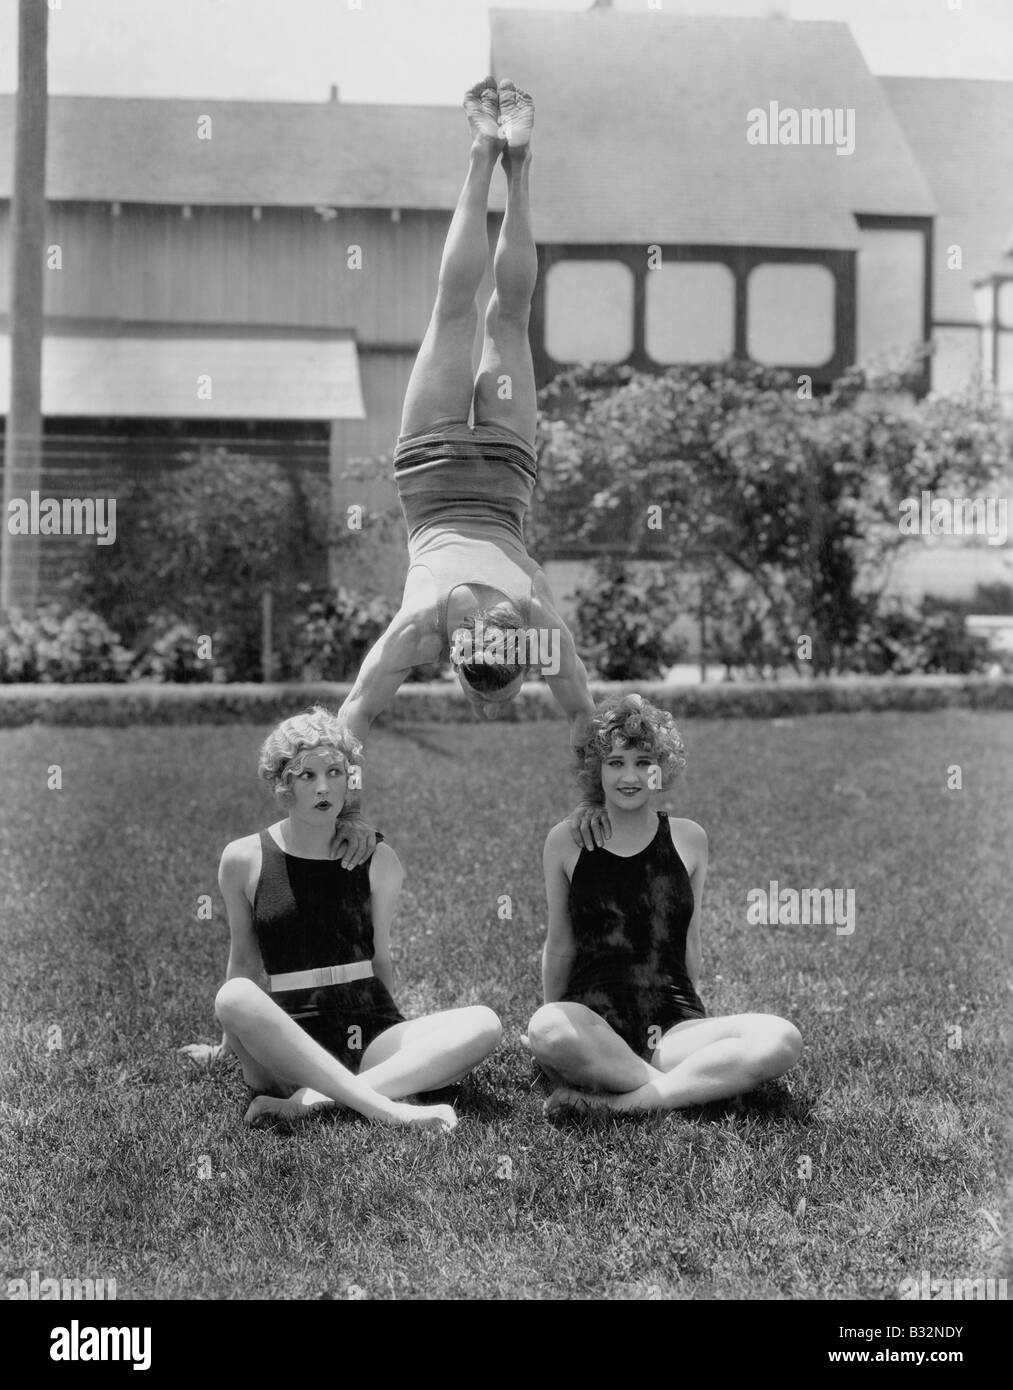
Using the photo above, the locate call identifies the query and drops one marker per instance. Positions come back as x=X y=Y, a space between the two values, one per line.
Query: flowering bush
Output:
x=623 y=622
x=61 y=648
x=333 y=634
x=175 y=652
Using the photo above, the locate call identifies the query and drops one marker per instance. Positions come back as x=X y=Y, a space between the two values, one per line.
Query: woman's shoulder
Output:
x=242 y=851
x=240 y=862
x=384 y=859
x=559 y=833
x=560 y=847
x=690 y=839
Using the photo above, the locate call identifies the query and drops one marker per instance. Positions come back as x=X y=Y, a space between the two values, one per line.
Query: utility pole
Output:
x=19 y=555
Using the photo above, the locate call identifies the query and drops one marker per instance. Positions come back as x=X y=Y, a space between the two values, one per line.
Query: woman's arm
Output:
x=560 y=948
x=385 y=879
x=244 y=954
x=692 y=848
x=245 y=960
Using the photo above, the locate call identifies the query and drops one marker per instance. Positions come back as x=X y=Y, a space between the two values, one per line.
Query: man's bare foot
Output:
x=481 y=106
x=516 y=117
x=296 y=1107
x=441 y=1117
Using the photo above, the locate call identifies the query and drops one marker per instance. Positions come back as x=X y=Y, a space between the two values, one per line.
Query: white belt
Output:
x=325 y=975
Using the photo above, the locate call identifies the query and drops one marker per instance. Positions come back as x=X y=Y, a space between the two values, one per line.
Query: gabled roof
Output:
x=642 y=119
x=961 y=132
x=261 y=152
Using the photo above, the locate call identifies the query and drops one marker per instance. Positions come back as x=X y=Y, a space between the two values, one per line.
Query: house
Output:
x=705 y=187
x=961 y=133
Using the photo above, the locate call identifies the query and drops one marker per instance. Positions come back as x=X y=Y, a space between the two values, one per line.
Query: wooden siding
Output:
x=151 y=264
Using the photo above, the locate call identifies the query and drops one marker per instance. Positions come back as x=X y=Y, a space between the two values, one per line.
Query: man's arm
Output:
x=568 y=682
x=589 y=824
x=387 y=663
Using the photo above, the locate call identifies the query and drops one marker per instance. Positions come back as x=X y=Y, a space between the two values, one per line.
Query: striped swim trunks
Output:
x=455 y=474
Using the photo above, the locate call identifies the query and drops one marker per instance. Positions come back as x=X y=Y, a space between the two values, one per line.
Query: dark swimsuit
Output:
x=309 y=913
x=630 y=916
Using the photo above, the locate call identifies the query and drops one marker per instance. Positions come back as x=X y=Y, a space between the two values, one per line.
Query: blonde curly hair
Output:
x=628 y=721
x=316 y=728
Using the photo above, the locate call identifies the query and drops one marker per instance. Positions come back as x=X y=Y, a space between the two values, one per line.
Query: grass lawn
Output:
x=896 y=1101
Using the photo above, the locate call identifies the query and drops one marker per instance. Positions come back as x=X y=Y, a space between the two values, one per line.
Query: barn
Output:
x=261 y=273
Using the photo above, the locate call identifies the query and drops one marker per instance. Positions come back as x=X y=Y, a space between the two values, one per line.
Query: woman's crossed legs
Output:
x=696 y=1061
x=421 y=1054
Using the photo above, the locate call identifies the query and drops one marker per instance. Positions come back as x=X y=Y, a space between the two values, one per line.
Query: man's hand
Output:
x=590 y=825
x=353 y=842
x=203 y=1054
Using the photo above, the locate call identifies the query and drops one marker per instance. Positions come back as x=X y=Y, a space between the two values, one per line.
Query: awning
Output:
x=196 y=374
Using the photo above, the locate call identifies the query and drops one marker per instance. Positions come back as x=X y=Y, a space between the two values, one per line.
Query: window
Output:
x=890 y=291
x=790 y=314
x=689 y=312
x=589 y=311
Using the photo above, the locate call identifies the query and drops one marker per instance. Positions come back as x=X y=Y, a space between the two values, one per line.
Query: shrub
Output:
x=334 y=632
x=171 y=653
x=57 y=648
x=623 y=622
x=727 y=467
x=203 y=541
x=898 y=639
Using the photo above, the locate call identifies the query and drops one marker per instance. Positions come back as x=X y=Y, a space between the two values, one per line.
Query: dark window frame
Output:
x=741 y=261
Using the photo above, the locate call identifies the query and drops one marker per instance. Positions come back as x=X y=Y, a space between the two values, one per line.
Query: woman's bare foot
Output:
x=441 y=1117
x=568 y=1101
x=296 y=1107
x=516 y=117
x=481 y=106
x=305 y=1101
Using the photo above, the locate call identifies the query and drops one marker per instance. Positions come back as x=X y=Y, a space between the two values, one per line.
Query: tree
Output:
x=724 y=470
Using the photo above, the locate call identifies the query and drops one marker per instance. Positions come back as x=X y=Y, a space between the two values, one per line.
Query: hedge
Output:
x=441 y=702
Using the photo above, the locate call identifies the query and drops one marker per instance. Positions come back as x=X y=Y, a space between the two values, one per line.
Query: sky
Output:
x=423 y=51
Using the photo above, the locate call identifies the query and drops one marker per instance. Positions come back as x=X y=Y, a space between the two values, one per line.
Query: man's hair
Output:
x=628 y=721
x=316 y=728
x=484 y=676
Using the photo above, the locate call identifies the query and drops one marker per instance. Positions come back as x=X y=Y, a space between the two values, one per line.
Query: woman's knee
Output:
x=235 y=998
x=552 y=1035
x=485 y=1026
x=776 y=1046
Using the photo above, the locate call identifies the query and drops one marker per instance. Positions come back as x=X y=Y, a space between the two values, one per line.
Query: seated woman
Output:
x=623 y=1026
x=328 y=1032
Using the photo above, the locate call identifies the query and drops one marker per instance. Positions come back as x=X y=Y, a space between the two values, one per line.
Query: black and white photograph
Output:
x=506 y=670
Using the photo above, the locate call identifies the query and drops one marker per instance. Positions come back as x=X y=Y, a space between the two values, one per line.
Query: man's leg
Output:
x=441 y=381
x=505 y=386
